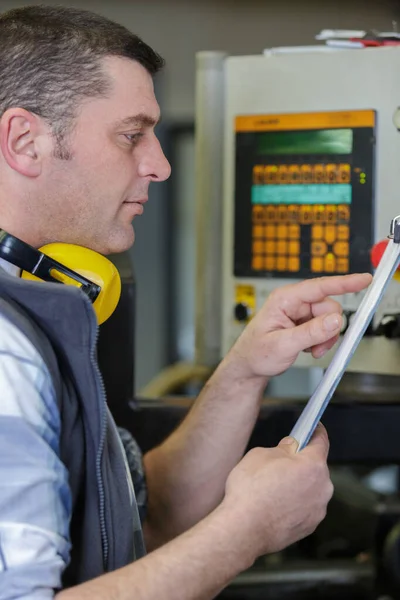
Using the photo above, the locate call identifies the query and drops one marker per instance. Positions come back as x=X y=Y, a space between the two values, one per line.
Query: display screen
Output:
x=303 y=195
x=329 y=141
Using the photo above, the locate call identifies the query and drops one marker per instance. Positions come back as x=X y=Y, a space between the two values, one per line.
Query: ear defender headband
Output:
x=74 y=265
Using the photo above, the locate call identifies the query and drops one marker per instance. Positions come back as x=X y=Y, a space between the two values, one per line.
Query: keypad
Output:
x=277 y=234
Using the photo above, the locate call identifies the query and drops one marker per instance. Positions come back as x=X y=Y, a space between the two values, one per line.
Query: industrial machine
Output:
x=309 y=152
x=297 y=161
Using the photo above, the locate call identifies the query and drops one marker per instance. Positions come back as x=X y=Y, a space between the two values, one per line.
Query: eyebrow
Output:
x=139 y=120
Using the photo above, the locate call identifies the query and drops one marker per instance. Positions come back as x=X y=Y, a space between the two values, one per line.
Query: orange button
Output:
x=306 y=173
x=331 y=173
x=317 y=232
x=281 y=263
x=270 y=263
x=257 y=263
x=270 y=231
x=271 y=174
x=258 y=247
x=258 y=214
x=341 y=249
x=330 y=234
x=293 y=263
x=294 y=232
x=319 y=173
x=331 y=214
x=343 y=232
x=344 y=175
x=319 y=248
x=283 y=174
x=270 y=247
x=294 y=174
x=271 y=213
x=343 y=213
x=258 y=231
x=319 y=214
x=281 y=247
x=306 y=214
x=258 y=174
x=282 y=232
x=294 y=248
x=317 y=265
x=330 y=263
x=342 y=265
x=282 y=214
x=293 y=213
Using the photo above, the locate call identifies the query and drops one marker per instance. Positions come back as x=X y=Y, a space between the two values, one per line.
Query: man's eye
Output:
x=133 y=138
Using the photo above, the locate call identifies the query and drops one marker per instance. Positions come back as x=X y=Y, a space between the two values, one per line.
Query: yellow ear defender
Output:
x=69 y=264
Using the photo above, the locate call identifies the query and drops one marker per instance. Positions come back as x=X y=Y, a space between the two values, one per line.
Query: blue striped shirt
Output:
x=35 y=499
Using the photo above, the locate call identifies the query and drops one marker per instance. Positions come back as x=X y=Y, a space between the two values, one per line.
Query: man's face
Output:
x=94 y=196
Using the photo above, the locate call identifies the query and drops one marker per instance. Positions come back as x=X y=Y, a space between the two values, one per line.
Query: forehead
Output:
x=131 y=93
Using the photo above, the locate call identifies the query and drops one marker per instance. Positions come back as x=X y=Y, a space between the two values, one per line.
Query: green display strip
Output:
x=318 y=193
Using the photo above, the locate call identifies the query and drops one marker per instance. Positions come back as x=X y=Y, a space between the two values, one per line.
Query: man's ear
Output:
x=19 y=132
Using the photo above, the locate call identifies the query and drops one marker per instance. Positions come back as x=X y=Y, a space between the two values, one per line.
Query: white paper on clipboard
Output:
x=315 y=407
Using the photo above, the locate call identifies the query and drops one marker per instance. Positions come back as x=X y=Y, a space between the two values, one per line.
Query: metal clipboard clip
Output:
x=315 y=407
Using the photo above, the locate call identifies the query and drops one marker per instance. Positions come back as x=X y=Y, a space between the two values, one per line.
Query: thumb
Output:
x=289 y=445
x=316 y=331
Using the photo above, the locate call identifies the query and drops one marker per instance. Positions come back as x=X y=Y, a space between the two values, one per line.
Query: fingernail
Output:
x=332 y=322
x=287 y=441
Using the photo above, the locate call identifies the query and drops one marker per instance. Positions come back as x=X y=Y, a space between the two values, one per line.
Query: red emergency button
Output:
x=377 y=253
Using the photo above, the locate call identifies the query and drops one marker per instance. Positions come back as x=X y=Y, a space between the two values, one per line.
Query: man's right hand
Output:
x=279 y=496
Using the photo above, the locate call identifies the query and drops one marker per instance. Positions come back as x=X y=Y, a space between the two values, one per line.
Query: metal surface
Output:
x=209 y=136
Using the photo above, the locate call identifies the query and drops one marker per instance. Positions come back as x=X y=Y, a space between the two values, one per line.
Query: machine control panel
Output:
x=304 y=194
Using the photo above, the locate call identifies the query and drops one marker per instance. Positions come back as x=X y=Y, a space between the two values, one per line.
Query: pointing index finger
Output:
x=315 y=290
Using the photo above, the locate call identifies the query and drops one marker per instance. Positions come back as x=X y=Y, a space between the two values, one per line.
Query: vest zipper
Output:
x=103 y=412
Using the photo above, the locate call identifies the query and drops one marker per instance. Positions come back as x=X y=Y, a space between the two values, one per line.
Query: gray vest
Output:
x=60 y=322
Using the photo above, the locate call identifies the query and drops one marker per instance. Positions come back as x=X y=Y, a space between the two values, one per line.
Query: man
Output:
x=78 y=152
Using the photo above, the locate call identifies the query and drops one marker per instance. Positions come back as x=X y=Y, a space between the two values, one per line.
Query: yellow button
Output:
x=270 y=247
x=294 y=248
x=282 y=232
x=281 y=247
x=331 y=214
x=258 y=231
x=341 y=249
x=281 y=263
x=319 y=213
x=258 y=214
x=343 y=213
x=306 y=214
x=317 y=232
x=270 y=263
x=293 y=263
x=294 y=232
x=319 y=248
x=330 y=263
x=257 y=263
x=342 y=265
x=270 y=231
x=258 y=247
x=330 y=234
x=344 y=175
x=317 y=265
x=343 y=232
